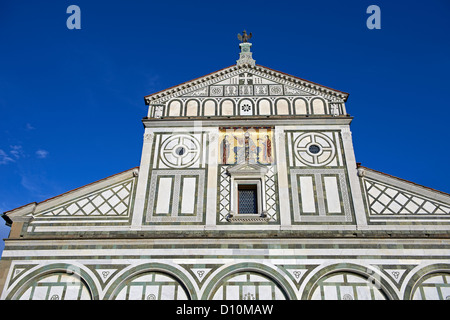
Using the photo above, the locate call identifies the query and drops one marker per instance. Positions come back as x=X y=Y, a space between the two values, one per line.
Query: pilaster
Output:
x=355 y=187
x=283 y=184
x=141 y=189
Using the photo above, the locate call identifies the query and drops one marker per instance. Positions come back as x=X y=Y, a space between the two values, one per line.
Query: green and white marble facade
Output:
x=168 y=229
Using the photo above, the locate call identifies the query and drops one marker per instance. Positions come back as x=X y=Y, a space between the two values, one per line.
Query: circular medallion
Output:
x=314 y=149
x=180 y=151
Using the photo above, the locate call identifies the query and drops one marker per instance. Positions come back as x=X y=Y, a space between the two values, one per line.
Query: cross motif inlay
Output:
x=246 y=78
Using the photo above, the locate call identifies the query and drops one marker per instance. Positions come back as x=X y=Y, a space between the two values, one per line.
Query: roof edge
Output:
x=359 y=166
x=13 y=214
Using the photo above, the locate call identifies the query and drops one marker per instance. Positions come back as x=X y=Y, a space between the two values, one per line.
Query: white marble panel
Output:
x=174 y=109
x=209 y=108
x=332 y=194
x=300 y=106
x=168 y=292
x=227 y=108
x=164 y=195
x=264 y=107
x=188 y=195
x=307 y=194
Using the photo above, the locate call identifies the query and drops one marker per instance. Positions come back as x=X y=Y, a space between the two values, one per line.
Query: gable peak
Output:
x=245 y=56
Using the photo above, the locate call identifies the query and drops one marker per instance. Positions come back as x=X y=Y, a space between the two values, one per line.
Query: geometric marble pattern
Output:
x=271 y=195
x=318 y=196
x=57 y=286
x=434 y=287
x=396 y=274
x=224 y=193
x=173 y=195
x=324 y=153
x=180 y=151
x=113 y=201
x=388 y=200
x=248 y=286
x=225 y=189
x=152 y=286
x=346 y=286
x=200 y=273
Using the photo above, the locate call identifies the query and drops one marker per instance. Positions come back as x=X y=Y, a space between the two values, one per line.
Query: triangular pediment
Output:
x=238 y=81
x=247 y=84
x=247 y=169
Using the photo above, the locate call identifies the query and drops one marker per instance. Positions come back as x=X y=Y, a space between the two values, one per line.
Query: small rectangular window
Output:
x=247 y=199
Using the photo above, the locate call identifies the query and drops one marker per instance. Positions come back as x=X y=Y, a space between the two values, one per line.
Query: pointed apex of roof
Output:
x=245 y=56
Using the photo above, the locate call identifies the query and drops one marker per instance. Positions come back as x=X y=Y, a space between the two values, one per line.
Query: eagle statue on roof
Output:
x=245 y=37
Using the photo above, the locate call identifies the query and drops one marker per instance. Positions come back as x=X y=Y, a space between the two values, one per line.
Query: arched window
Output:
x=248 y=286
x=346 y=286
x=57 y=286
x=435 y=286
x=152 y=286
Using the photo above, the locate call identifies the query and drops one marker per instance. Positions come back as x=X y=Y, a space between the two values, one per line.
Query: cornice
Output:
x=230 y=121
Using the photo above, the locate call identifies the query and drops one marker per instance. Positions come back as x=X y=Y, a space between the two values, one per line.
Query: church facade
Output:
x=247 y=188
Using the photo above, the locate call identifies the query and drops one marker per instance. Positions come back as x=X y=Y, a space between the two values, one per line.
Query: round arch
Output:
x=282 y=106
x=56 y=268
x=298 y=104
x=174 y=108
x=421 y=275
x=318 y=105
x=227 y=107
x=139 y=270
x=257 y=268
x=192 y=108
x=350 y=268
x=264 y=107
x=209 y=108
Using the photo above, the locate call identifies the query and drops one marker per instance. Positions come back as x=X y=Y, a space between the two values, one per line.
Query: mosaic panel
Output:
x=252 y=145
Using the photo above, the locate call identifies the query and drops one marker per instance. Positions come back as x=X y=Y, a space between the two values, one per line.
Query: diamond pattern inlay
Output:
x=271 y=202
x=224 y=194
x=387 y=200
x=112 y=201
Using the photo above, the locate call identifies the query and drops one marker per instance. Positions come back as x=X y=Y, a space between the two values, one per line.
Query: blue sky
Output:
x=71 y=101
